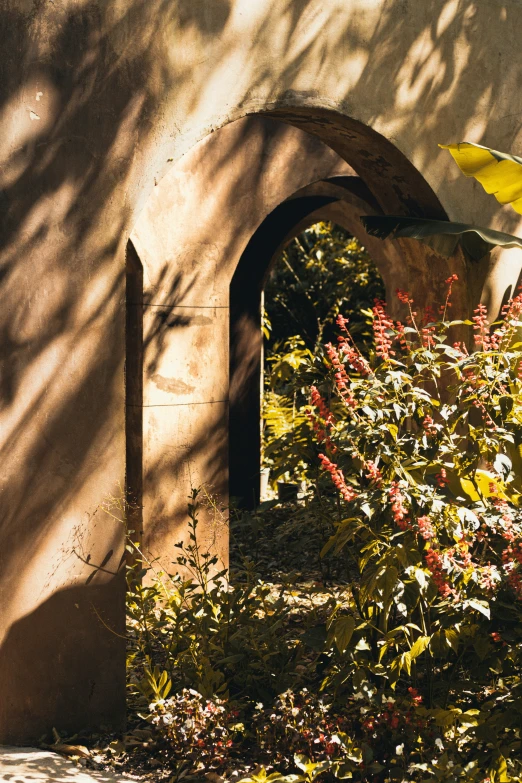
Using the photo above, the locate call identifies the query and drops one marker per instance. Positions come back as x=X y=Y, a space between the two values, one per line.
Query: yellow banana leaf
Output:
x=499 y=173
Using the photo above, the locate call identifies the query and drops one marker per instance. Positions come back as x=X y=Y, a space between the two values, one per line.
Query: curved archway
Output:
x=341 y=200
x=206 y=238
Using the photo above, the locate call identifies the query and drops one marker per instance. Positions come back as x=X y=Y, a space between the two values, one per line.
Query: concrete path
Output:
x=29 y=765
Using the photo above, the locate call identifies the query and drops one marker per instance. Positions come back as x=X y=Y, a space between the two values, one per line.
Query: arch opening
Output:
x=321 y=273
x=205 y=252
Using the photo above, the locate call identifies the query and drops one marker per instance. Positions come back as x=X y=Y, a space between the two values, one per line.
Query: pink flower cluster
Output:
x=347 y=492
x=481 y=327
x=404 y=297
x=449 y=282
x=428 y=425
x=426 y=529
x=373 y=473
x=322 y=407
x=342 y=380
x=382 y=324
x=349 y=350
x=435 y=566
x=428 y=330
x=401 y=335
x=510 y=312
x=399 y=510
x=442 y=478
x=326 y=416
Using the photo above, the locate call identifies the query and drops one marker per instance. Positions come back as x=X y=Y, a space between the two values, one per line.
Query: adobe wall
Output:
x=100 y=100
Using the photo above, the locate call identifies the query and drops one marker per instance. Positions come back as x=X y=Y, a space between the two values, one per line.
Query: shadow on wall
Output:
x=87 y=84
x=87 y=109
x=52 y=637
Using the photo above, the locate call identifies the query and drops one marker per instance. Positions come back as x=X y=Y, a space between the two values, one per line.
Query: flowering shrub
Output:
x=303 y=726
x=300 y=723
x=193 y=728
x=422 y=446
x=419 y=660
x=321 y=272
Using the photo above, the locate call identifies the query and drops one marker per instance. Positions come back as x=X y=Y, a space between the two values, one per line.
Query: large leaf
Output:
x=497 y=172
x=441 y=235
x=343 y=631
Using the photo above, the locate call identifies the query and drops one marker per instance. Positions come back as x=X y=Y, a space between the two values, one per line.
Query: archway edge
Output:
x=394 y=180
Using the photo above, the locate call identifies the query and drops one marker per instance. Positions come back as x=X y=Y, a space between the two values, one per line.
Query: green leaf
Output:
x=479 y=606
x=315 y=637
x=442 y=236
x=419 y=646
x=452 y=638
x=342 y=770
x=389 y=582
x=343 y=631
x=502 y=463
x=311 y=770
x=498 y=771
x=353 y=753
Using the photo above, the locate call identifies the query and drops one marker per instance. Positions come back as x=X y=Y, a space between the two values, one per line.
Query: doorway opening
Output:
x=320 y=274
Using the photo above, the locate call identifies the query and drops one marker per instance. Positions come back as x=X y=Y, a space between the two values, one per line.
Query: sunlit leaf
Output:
x=479 y=606
x=499 y=174
x=420 y=645
x=485 y=485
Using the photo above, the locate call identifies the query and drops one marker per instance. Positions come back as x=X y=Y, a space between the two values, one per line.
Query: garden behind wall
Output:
x=155 y=155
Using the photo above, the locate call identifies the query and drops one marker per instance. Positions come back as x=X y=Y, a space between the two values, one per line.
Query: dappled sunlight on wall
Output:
x=100 y=101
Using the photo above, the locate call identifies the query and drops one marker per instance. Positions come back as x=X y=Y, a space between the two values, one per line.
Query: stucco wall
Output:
x=99 y=101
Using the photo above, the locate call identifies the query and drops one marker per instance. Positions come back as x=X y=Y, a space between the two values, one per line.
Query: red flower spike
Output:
x=381 y=325
x=401 y=336
x=481 y=327
x=373 y=474
x=342 y=380
x=347 y=492
x=442 y=478
x=404 y=297
x=428 y=425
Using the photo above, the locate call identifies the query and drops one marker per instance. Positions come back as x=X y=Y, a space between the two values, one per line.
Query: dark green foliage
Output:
x=443 y=236
x=323 y=272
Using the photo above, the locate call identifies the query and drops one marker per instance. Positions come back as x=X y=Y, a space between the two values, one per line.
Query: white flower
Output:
x=439 y=744
x=399 y=750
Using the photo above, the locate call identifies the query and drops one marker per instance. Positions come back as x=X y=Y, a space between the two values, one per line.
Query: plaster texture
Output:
x=184 y=127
